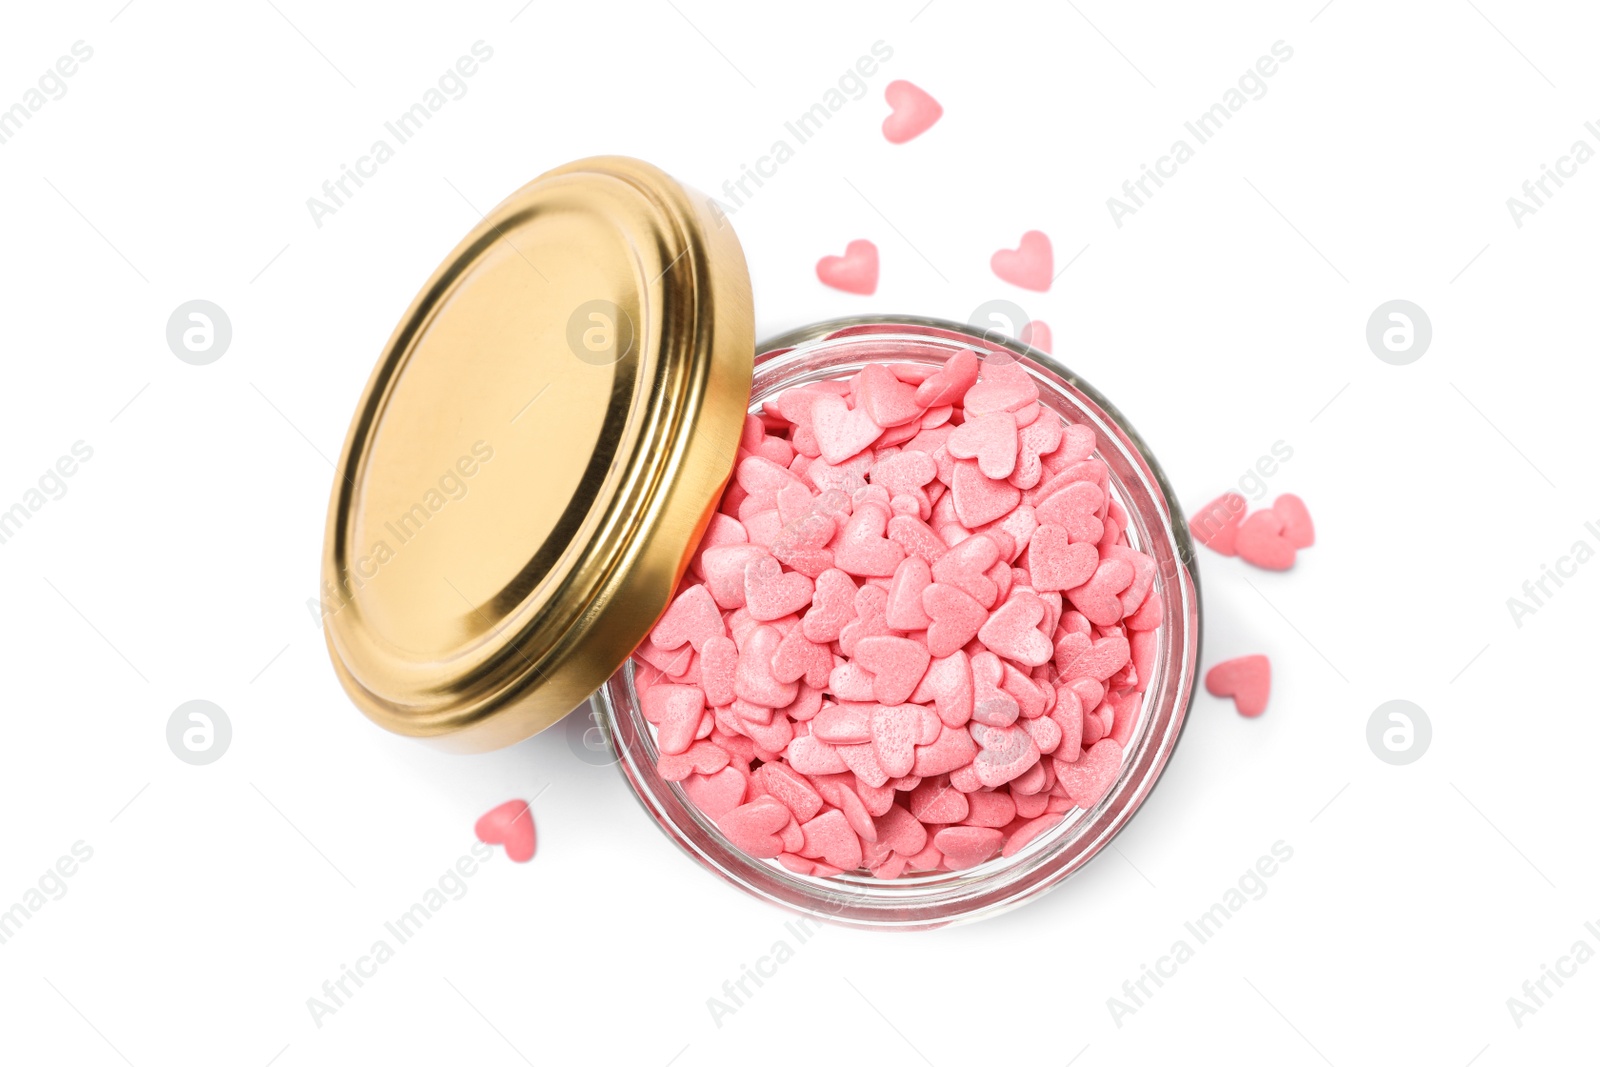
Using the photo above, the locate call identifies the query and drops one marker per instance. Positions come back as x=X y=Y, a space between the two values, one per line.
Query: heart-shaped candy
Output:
x=1247 y=679
x=1297 y=527
x=904 y=610
x=830 y=839
x=1091 y=776
x=897 y=665
x=964 y=847
x=703 y=757
x=1029 y=265
x=799 y=657
x=980 y=499
x=1261 y=542
x=1098 y=598
x=913 y=112
x=1076 y=509
x=770 y=592
x=1037 y=333
x=1039 y=438
x=951 y=381
x=841 y=431
x=992 y=704
x=956 y=618
x=953 y=748
x=1006 y=386
x=1056 y=563
x=693 y=618
x=862 y=549
x=754 y=827
x=854 y=272
x=753 y=680
x=802 y=544
x=964 y=567
x=901 y=831
x=1217 y=524
x=935 y=801
x=832 y=606
x=886 y=399
x=789 y=787
x=895 y=731
x=676 y=711
x=948 y=684
x=989 y=439
x=511 y=825
x=716 y=794
x=1012 y=630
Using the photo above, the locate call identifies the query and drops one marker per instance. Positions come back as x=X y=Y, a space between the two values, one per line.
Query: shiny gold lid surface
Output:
x=536 y=455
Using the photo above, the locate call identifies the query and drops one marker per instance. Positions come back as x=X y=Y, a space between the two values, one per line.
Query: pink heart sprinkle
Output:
x=770 y=592
x=1029 y=265
x=956 y=618
x=754 y=827
x=965 y=565
x=1057 y=564
x=841 y=431
x=1247 y=679
x=897 y=665
x=899 y=830
x=936 y=801
x=894 y=736
x=862 y=549
x=828 y=837
x=1216 y=525
x=980 y=499
x=511 y=825
x=832 y=606
x=948 y=683
x=913 y=112
x=1012 y=631
x=886 y=399
x=1091 y=777
x=1262 y=544
x=1098 y=598
x=716 y=794
x=693 y=618
x=967 y=846
x=1006 y=386
x=989 y=439
x=854 y=272
x=1004 y=753
x=1297 y=527
x=950 y=382
x=992 y=705
x=904 y=610
x=1076 y=509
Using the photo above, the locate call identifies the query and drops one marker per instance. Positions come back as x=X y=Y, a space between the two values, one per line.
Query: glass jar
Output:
x=538 y=453
x=1155 y=526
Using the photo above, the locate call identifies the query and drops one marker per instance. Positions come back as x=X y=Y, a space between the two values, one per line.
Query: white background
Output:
x=1226 y=315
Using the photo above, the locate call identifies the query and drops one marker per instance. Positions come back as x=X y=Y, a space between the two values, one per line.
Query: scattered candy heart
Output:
x=1261 y=542
x=1297 y=528
x=1247 y=679
x=1029 y=265
x=914 y=111
x=854 y=272
x=511 y=825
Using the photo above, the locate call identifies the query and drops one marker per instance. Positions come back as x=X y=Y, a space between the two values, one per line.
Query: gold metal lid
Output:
x=537 y=455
